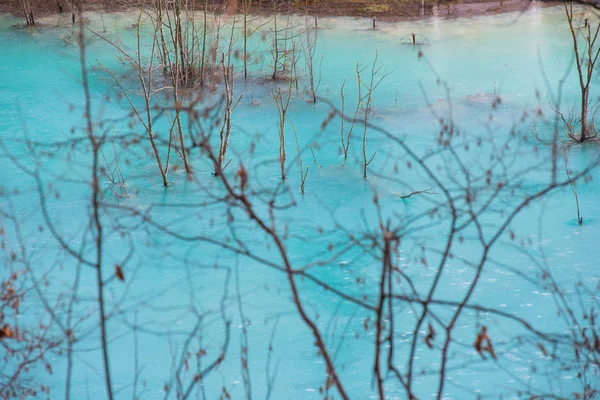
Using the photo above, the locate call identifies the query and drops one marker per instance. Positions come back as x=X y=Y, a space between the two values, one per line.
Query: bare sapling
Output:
x=275 y=50
x=159 y=28
x=76 y=9
x=293 y=61
x=282 y=99
x=181 y=74
x=225 y=133
x=204 y=35
x=586 y=56
x=310 y=49
x=212 y=59
x=28 y=12
x=229 y=84
x=112 y=173
x=283 y=50
x=303 y=172
x=174 y=23
x=573 y=186
x=147 y=93
x=245 y=9
x=346 y=137
x=342 y=118
x=248 y=30
x=314 y=156
x=145 y=117
x=377 y=76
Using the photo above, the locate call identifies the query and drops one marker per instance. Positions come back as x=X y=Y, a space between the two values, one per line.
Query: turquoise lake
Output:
x=495 y=78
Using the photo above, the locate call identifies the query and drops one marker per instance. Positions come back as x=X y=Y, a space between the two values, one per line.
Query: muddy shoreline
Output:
x=391 y=11
x=403 y=11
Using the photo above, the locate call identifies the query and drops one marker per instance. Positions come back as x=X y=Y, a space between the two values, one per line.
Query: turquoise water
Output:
x=181 y=292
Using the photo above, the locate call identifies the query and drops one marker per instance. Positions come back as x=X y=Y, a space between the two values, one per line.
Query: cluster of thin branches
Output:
x=470 y=185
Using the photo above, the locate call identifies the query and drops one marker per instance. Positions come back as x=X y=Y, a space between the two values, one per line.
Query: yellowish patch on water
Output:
x=376 y=8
